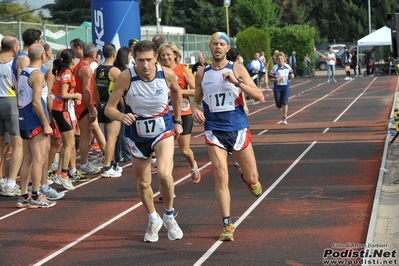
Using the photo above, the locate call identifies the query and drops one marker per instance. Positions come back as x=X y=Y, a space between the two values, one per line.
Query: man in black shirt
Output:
x=201 y=63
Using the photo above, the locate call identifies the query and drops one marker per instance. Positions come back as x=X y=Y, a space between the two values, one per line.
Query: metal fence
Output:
x=59 y=36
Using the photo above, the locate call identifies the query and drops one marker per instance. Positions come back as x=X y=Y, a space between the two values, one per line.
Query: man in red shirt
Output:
x=86 y=112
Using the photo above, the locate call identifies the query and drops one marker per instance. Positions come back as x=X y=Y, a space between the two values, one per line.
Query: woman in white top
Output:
x=330 y=63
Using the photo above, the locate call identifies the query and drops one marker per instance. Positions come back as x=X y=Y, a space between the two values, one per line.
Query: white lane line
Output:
x=95 y=230
x=209 y=252
x=11 y=213
x=360 y=95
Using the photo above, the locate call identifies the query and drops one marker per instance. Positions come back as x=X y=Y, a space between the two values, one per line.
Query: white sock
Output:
x=11 y=183
x=153 y=216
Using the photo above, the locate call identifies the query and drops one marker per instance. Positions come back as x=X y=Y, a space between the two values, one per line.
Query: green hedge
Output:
x=299 y=38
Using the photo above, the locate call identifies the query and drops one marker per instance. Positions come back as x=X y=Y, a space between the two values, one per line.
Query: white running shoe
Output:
x=65 y=182
x=117 y=168
x=151 y=233
x=110 y=173
x=50 y=193
x=347 y=78
x=3 y=181
x=10 y=191
x=174 y=231
x=284 y=121
x=89 y=169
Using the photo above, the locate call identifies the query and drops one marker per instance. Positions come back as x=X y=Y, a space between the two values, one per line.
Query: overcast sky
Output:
x=36 y=3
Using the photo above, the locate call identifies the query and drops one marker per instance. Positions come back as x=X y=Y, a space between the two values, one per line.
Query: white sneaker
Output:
x=50 y=193
x=65 y=182
x=334 y=80
x=10 y=191
x=284 y=121
x=347 y=78
x=89 y=169
x=3 y=183
x=117 y=168
x=110 y=173
x=151 y=233
x=174 y=231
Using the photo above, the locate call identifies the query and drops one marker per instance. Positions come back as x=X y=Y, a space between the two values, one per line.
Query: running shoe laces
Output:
x=174 y=231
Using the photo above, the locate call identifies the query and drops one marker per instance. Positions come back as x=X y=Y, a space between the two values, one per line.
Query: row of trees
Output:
x=344 y=19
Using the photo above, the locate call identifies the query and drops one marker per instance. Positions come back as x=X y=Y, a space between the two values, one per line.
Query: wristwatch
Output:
x=239 y=82
x=178 y=121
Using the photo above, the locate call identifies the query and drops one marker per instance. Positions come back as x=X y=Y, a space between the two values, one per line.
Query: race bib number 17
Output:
x=221 y=102
x=150 y=128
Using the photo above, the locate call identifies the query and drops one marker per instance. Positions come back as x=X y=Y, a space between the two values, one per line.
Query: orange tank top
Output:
x=186 y=107
x=66 y=77
x=79 y=82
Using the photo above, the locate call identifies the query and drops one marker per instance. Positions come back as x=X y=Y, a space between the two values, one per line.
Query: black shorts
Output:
x=187 y=124
x=102 y=118
x=31 y=133
x=63 y=119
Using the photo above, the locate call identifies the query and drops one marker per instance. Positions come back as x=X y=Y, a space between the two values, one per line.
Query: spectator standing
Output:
x=356 y=64
x=264 y=73
x=86 y=112
x=234 y=55
x=367 y=60
x=21 y=60
x=332 y=60
x=77 y=46
x=105 y=77
x=306 y=66
x=347 y=60
x=273 y=59
x=48 y=192
x=131 y=44
x=158 y=40
x=292 y=62
x=255 y=67
x=200 y=63
x=34 y=128
x=372 y=66
x=64 y=96
x=226 y=125
x=122 y=153
x=9 y=115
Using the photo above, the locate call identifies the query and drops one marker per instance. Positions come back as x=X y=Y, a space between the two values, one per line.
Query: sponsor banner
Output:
x=115 y=21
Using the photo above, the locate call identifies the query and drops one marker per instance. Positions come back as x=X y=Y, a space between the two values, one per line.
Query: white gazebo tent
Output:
x=379 y=37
